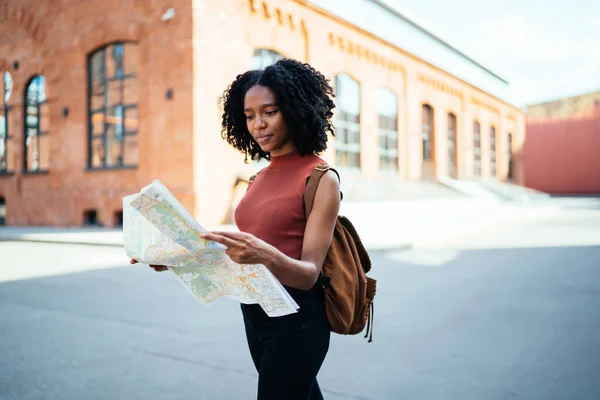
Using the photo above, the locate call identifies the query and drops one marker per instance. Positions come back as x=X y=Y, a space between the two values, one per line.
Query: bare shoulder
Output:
x=330 y=182
x=329 y=188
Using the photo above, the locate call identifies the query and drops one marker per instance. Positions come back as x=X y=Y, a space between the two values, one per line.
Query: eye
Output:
x=249 y=117
x=271 y=112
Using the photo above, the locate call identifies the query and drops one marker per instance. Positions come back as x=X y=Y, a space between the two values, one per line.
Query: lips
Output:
x=262 y=139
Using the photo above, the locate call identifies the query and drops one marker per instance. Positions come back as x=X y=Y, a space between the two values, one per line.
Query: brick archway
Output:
x=130 y=32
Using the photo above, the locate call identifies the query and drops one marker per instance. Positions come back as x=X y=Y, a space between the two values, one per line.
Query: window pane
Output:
x=97 y=67
x=98 y=153
x=2 y=126
x=98 y=92
x=352 y=136
x=117 y=59
x=382 y=141
x=36 y=91
x=357 y=135
x=40 y=82
x=114 y=119
x=347 y=95
x=114 y=93
x=356 y=159
x=427 y=116
x=31 y=119
x=97 y=123
x=3 y=144
x=110 y=64
x=130 y=91
x=393 y=143
x=131 y=150
x=131 y=119
x=8 y=84
x=130 y=58
x=263 y=58
x=341 y=135
x=387 y=103
x=115 y=147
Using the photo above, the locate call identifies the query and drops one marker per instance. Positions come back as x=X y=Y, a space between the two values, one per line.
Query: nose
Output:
x=260 y=123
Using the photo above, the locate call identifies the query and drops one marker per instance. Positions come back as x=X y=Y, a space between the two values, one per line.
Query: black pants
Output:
x=288 y=351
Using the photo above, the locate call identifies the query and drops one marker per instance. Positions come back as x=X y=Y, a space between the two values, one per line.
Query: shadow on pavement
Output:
x=475 y=324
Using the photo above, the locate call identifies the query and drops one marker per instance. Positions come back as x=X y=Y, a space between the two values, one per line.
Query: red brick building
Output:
x=562 y=148
x=100 y=97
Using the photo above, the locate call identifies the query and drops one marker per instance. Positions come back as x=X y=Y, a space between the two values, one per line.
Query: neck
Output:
x=290 y=159
x=283 y=151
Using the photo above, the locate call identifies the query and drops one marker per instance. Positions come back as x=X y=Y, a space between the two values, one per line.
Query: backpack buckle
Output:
x=322 y=168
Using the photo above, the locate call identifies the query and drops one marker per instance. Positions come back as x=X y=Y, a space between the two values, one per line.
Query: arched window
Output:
x=476 y=149
x=347 y=123
x=452 y=147
x=6 y=154
x=428 y=140
x=112 y=104
x=387 y=108
x=36 y=121
x=493 y=151
x=263 y=58
x=510 y=159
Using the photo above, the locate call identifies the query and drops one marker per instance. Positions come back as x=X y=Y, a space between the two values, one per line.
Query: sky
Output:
x=545 y=49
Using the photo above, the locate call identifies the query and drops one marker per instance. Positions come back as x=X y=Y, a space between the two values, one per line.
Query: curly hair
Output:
x=304 y=97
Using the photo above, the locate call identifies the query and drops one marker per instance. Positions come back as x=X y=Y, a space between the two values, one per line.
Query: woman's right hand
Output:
x=157 y=268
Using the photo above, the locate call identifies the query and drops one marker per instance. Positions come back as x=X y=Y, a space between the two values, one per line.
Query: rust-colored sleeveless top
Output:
x=273 y=207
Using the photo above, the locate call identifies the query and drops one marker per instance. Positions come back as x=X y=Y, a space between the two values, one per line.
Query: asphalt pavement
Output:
x=509 y=312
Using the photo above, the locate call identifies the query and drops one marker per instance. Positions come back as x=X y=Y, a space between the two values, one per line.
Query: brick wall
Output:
x=194 y=56
x=54 y=39
x=562 y=155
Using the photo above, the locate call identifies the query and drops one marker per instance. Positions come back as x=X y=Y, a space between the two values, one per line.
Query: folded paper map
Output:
x=157 y=229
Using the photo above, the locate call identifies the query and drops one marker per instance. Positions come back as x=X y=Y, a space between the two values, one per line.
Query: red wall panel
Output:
x=563 y=156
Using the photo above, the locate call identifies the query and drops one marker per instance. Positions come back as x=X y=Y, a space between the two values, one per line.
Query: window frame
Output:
x=476 y=149
x=451 y=138
x=493 y=152
x=388 y=156
x=6 y=108
x=260 y=53
x=350 y=123
x=39 y=133
x=106 y=109
x=428 y=132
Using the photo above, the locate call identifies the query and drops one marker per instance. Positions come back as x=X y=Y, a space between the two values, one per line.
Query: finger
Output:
x=231 y=235
x=219 y=239
x=132 y=261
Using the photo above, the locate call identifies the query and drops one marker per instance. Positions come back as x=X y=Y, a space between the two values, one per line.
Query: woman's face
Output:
x=265 y=122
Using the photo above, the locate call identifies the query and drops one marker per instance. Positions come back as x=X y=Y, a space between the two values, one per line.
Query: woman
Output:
x=283 y=114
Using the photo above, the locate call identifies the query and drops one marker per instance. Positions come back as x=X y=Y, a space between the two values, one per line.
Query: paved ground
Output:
x=508 y=312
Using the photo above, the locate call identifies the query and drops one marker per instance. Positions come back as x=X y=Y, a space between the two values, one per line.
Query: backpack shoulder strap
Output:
x=311 y=187
x=253 y=177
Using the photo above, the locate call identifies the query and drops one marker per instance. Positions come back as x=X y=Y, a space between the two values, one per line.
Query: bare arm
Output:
x=245 y=248
x=303 y=273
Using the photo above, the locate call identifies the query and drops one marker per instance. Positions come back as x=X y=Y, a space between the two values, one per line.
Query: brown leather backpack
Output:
x=349 y=292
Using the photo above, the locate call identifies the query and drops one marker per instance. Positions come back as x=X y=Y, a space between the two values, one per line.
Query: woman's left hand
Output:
x=242 y=248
